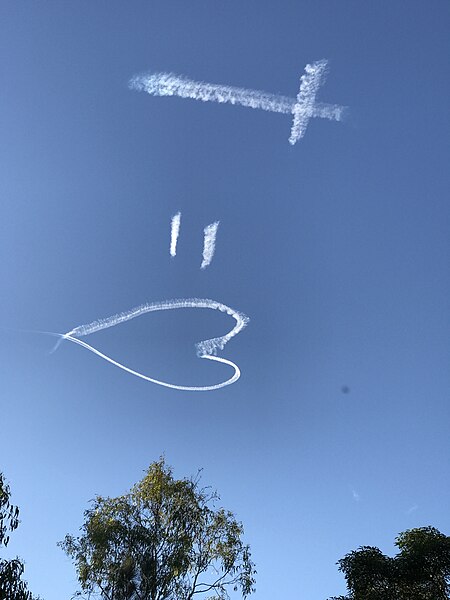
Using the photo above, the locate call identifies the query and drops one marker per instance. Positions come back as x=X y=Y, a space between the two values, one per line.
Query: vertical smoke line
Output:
x=209 y=244
x=310 y=83
x=174 y=233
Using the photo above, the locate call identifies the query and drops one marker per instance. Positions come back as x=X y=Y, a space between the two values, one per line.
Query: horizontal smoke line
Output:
x=304 y=107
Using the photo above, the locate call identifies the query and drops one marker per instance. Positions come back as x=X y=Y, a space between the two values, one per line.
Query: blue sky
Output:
x=337 y=249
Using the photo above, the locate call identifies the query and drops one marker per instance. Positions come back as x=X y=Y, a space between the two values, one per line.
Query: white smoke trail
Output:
x=310 y=82
x=205 y=349
x=169 y=84
x=209 y=244
x=174 y=233
x=187 y=388
x=303 y=107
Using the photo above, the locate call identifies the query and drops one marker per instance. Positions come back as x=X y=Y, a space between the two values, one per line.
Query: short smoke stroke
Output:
x=303 y=108
x=206 y=349
x=209 y=243
x=174 y=233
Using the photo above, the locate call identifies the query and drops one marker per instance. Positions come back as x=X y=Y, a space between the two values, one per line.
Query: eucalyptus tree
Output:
x=163 y=540
x=12 y=587
x=419 y=571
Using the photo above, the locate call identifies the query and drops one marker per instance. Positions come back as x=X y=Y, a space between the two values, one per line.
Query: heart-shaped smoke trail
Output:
x=205 y=349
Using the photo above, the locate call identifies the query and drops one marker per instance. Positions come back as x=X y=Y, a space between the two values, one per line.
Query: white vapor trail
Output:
x=205 y=349
x=303 y=108
x=310 y=82
x=174 y=233
x=209 y=243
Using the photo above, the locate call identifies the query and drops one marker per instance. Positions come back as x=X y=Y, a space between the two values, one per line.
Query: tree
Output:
x=424 y=562
x=11 y=571
x=163 y=540
x=420 y=571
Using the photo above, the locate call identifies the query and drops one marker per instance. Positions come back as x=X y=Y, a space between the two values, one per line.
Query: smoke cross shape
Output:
x=206 y=349
x=303 y=108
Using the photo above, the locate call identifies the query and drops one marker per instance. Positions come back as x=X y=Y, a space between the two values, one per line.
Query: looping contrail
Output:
x=303 y=108
x=205 y=349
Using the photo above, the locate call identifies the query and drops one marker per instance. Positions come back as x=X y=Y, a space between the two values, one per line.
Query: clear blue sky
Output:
x=337 y=249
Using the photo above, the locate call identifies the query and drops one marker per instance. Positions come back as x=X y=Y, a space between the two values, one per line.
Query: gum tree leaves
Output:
x=163 y=540
x=420 y=571
x=11 y=571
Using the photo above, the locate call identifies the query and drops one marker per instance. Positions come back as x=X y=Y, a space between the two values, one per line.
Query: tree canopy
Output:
x=11 y=571
x=163 y=540
x=420 y=571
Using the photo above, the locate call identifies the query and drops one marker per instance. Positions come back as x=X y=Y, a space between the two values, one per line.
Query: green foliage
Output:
x=11 y=585
x=420 y=571
x=424 y=562
x=163 y=540
x=9 y=514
